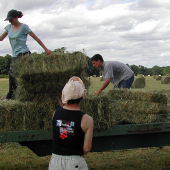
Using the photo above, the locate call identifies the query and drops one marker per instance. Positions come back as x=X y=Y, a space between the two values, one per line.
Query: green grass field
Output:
x=16 y=157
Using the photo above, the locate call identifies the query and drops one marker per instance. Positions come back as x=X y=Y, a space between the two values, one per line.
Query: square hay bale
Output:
x=42 y=76
x=126 y=94
x=124 y=107
x=37 y=67
x=96 y=107
x=21 y=116
x=106 y=112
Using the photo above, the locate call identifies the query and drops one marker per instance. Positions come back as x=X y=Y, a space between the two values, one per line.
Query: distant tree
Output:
x=149 y=71
x=142 y=70
x=5 y=64
x=135 y=69
x=166 y=70
x=156 y=70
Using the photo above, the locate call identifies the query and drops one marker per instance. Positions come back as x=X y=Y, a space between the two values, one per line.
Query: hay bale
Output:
x=165 y=80
x=36 y=67
x=141 y=76
x=96 y=106
x=108 y=109
x=125 y=94
x=158 y=77
x=21 y=116
x=43 y=76
x=139 y=83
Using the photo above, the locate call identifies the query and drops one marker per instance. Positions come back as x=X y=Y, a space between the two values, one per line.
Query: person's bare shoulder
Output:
x=87 y=122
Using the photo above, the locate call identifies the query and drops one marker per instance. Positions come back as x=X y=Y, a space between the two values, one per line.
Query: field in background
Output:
x=151 y=85
x=16 y=157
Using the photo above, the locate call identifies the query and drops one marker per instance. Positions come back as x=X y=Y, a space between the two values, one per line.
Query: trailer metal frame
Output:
x=116 y=138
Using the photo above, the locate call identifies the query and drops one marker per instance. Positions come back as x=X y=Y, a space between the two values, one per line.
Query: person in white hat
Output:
x=17 y=33
x=72 y=130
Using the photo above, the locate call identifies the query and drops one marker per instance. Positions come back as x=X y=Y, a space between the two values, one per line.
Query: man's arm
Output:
x=87 y=127
x=105 y=84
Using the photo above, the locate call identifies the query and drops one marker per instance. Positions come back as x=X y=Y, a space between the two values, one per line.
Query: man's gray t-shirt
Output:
x=18 y=39
x=116 y=71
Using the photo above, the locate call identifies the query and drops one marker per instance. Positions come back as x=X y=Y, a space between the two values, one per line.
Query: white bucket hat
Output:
x=74 y=89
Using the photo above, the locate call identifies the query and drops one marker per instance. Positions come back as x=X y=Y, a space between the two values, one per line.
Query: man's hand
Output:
x=96 y=93
x=105 y=84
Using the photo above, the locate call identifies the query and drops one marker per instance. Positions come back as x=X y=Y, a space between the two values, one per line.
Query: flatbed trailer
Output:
x=116 y=138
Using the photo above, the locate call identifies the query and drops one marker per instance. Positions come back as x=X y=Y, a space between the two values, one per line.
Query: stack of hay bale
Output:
x=41 y=79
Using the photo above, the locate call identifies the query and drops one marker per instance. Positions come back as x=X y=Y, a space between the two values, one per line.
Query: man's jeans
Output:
x=125 y=84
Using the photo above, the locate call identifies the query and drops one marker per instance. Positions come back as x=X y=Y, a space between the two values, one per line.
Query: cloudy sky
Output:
x=131 y=31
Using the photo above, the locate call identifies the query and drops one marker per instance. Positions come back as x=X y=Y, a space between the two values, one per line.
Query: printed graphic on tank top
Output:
x=65 y=128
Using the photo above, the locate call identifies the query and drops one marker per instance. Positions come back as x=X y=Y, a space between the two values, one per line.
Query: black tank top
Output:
x=68 y=136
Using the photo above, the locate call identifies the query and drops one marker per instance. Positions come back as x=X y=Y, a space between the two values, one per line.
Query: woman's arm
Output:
x=40 y=43
x=3 y=36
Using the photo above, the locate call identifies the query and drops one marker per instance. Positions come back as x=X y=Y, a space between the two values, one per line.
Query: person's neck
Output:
x=69 y=106
x=17 y=24
x=101 y=65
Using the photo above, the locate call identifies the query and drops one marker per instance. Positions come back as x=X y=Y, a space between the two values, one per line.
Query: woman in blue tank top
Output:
x=17 y=33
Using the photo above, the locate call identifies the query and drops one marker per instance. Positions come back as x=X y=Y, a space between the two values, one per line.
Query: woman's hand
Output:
x=49 y=52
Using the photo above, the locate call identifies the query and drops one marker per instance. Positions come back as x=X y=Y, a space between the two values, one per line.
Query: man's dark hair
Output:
x=97 y=57
x=75 y=101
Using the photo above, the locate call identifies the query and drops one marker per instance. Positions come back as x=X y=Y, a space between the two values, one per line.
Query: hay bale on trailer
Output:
x=22 y=116
x=42 y=77
x=125 y=94
x=165 y=80
x=124 y=106
x=105 y=109
x=139 y=83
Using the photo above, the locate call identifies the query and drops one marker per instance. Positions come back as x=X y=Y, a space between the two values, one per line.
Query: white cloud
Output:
x=132 y=31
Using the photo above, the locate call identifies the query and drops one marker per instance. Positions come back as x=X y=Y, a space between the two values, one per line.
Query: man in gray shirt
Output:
x=113 y=72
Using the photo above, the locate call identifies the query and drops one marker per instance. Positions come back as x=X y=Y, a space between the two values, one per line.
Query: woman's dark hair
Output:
x=20 y=14
x=75 y=101
x=97 y=57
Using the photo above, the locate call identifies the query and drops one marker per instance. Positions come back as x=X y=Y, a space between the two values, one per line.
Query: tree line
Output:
x=90 y=70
